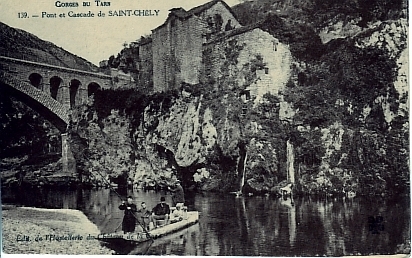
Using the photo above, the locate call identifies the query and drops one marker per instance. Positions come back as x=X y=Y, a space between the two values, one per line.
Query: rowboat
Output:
x=191 y=218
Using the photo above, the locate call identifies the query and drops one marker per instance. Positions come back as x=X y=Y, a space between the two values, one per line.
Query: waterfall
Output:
x=289 y=163
x=242 y=181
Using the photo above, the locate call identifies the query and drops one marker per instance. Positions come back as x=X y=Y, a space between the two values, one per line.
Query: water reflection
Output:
x=258 y=226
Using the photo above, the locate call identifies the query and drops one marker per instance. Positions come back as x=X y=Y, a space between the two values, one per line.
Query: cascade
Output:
x=290 y=162
x=69 y=162
x=242 y=181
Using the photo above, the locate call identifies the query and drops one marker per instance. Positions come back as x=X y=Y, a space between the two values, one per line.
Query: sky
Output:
x=93 y=38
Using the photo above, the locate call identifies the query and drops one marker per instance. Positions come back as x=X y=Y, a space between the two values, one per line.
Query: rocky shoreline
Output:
x=49 y=231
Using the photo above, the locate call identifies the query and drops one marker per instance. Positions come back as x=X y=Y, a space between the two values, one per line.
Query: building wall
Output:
x=161 y=55
x=276 y=55
x=146 y=65
x=226 y=15
x=121 y=80
x=187 y=40
x=177 y=53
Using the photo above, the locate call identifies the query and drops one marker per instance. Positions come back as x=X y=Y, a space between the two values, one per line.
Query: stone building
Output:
x=255 y=43
x=145 y=63
x=178 y=42
x=177 y=49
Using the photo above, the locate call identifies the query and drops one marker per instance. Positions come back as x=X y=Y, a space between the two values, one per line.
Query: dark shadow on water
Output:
x=123 y=247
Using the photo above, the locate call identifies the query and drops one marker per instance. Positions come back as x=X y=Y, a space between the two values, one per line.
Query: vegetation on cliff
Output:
x=24 y=132
x=318 y=13
x=29 y=143
x=106 y=134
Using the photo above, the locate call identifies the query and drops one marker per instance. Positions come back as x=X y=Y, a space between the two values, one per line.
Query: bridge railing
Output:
x=31 y=57
x=25 y=58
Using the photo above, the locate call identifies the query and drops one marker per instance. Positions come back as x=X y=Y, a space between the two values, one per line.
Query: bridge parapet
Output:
x=58 y=68
x=30 y=57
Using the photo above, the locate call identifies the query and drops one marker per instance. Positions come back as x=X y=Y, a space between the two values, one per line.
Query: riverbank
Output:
x=49 y=231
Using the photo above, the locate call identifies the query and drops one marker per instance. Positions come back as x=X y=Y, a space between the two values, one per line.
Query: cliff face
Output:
x=343 y=112
x=184 y=136
x=361 y=156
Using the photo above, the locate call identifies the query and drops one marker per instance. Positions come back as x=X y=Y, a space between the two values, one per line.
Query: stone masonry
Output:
x=43 y=75
x=178 y=45
x=146 y=63
x=255 y=42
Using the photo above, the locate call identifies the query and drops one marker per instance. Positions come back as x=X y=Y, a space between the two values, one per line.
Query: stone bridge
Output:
x=52 y=91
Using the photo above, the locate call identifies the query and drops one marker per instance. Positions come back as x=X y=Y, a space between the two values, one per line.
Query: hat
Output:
x=162 y=199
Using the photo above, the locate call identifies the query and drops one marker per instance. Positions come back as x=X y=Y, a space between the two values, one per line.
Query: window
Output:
x=12 y=69
x=245 y=95
x=36 y=80
x=266 y=70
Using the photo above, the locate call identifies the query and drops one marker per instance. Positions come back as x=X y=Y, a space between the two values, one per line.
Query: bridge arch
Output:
x=51 y=96
x=74 y=89
x=92 y=88
x=36 y=80
x=55 y=83
x=47 y=107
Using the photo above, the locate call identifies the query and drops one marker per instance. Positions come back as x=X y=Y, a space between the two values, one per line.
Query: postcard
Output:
x=205 y=128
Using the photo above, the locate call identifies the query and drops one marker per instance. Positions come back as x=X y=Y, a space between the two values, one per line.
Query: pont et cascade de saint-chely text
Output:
x=79 y=10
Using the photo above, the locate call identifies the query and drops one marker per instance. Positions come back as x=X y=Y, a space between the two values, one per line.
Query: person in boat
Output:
x=178 y=195
x=129 y=219
x=144 y=216
x=161 y=212
x=177 y=214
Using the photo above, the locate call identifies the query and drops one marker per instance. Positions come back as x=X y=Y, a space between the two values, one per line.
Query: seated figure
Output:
x=177 y=214
x=144 y=216
x=161 y=212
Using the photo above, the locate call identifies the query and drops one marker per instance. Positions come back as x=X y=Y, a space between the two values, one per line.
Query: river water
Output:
x=246 y=226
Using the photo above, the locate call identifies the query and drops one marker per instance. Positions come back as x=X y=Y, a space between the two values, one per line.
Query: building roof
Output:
x=234 y=32
x=181 y=13
x=146 y=41
x=201 y=8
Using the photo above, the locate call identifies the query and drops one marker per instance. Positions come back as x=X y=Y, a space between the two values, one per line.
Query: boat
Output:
x=191 y=218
